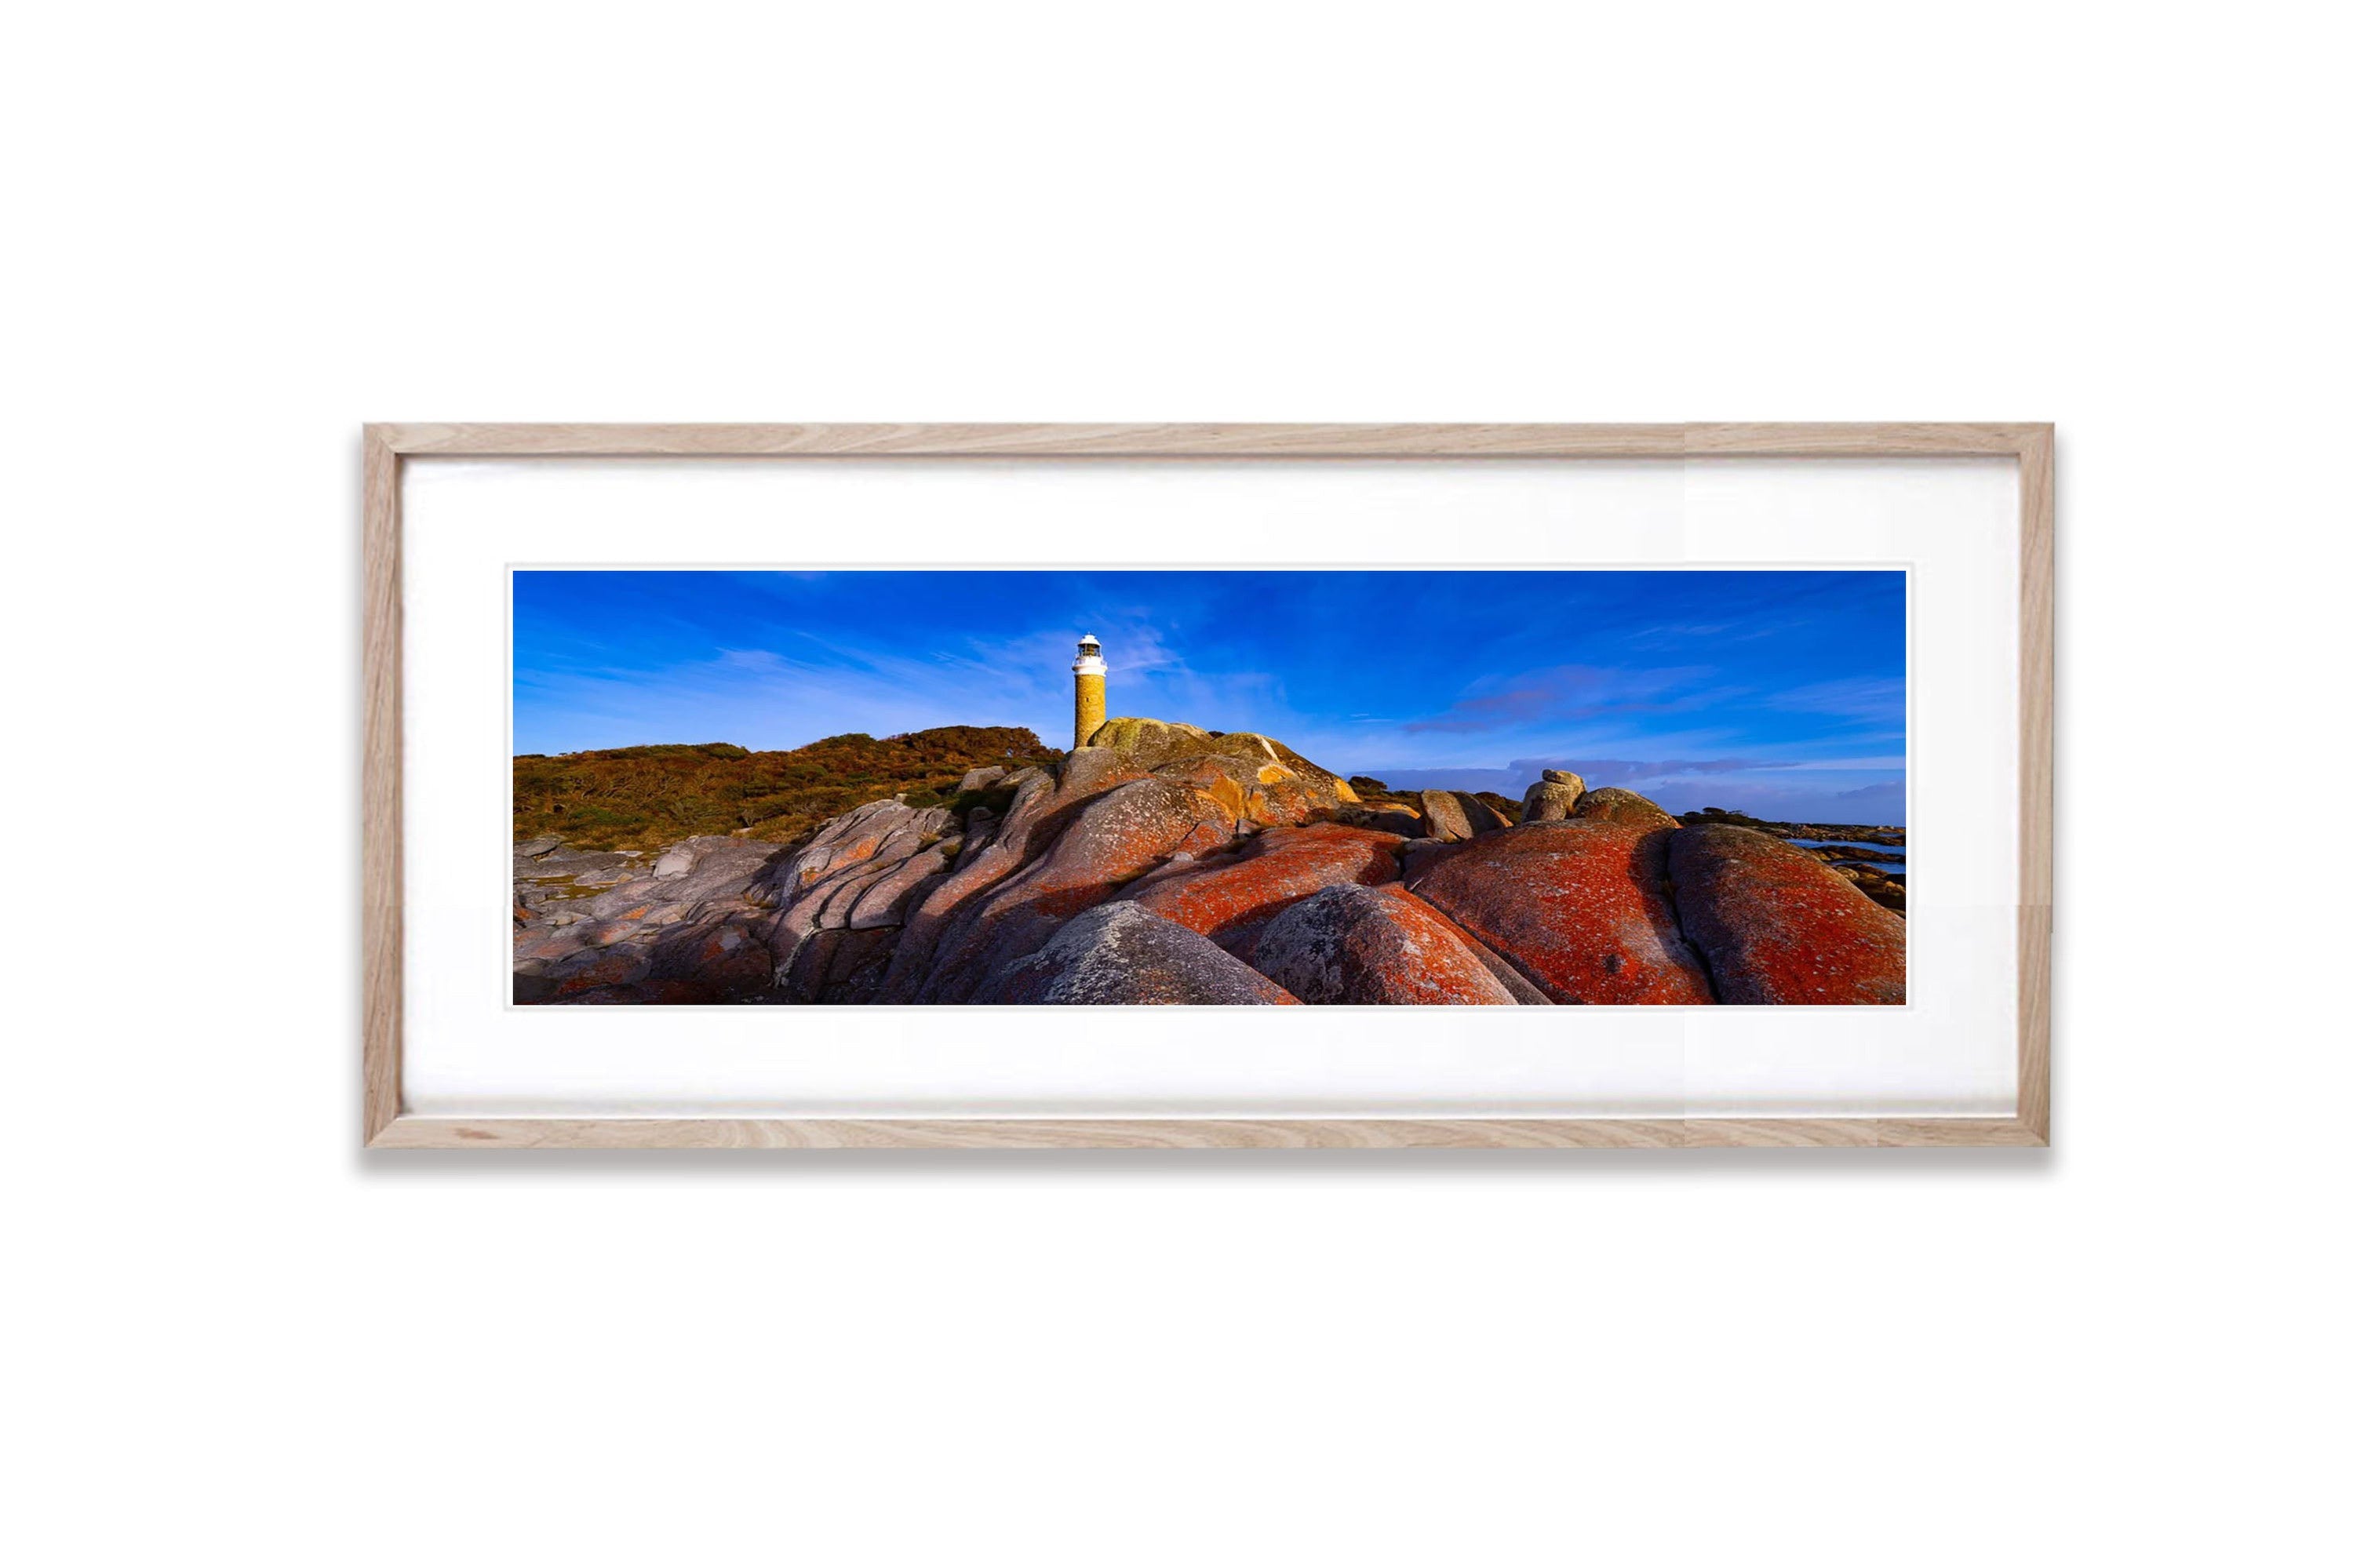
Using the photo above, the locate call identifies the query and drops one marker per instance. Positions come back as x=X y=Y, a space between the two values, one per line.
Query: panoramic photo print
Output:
x=1209 y=787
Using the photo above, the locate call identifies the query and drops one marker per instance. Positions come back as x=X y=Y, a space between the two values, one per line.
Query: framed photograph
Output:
x=1027 y=787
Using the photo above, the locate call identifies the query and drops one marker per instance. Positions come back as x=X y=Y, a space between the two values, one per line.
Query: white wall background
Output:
x=241 y=230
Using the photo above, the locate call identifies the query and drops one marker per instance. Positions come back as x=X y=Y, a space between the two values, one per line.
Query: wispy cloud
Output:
x=1599 y=771
x=1862 y=701
x=1566 y=694
x=1665 y=682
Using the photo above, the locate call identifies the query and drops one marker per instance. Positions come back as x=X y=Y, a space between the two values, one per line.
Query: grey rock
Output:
x=939 y=910
x=845 y=841
x=828 y=904
x=1361 y=945
x=979 y=778
x=835 y=965
x=884 y=901
x=979 y=830
x=831 y=900
x=787 y=879
x=609 y=966
x=1123 y=954
x=547 y=844
x=592 y=870
x=857 y=823
x=723 y=867
x=619 y=901
x=1562 y=776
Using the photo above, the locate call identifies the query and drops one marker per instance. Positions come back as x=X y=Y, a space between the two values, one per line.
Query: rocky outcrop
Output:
x=1167 y=864
x=680 y=921
x=1353 y=944
x=1879 y=887
x=1492 y=811
x=1123 y=954
x=1153 y=743
x=1006 y=846
x=1841 y=832
x=1579 y=908
x=1442 y=817
x=1779 y=926
x=884 y=900
x=1622 y=806
x=1230 y=897
x=1452 y=815
x=726 y=958
x=836 y=966
x=1116 y=839
x=1552 y=797
x=889 y=829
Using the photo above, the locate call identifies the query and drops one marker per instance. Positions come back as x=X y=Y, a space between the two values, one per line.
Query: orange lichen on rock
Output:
x=1115 y=838
x=1216 y=775
x=1154 y=743
x=1779 y=926
x=1166 y=863
x=1373 y=945
x=1284 y=803
x=1277 y=869
x=1122 y=835
x=1580 y=908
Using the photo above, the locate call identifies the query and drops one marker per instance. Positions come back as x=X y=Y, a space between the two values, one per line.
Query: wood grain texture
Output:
x=1623 y=441
x=1857 y=440
x=1040 y=440
x=380 y=862
x=2037 y=735
x=386 y=446
x=714 y=1132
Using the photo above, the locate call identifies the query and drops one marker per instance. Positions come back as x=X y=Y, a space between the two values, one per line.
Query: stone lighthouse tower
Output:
x=1087 y=673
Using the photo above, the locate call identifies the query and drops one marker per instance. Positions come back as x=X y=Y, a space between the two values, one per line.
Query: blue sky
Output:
x=1777 y=692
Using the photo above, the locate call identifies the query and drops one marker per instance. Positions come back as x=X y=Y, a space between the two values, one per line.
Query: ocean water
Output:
x=1893 y=867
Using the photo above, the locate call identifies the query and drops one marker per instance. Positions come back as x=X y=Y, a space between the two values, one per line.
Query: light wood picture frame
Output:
x=386 y=1125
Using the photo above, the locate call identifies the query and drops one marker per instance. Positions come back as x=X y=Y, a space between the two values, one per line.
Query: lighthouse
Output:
x=1087 y=674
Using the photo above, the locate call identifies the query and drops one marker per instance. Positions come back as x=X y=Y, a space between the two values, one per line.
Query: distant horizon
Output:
x=1777 y=692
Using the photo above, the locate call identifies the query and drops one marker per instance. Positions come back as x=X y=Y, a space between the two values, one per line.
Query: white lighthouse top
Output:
x=1090 y=660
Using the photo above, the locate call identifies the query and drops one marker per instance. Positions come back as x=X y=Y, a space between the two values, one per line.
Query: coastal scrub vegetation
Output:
x=646 y=798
